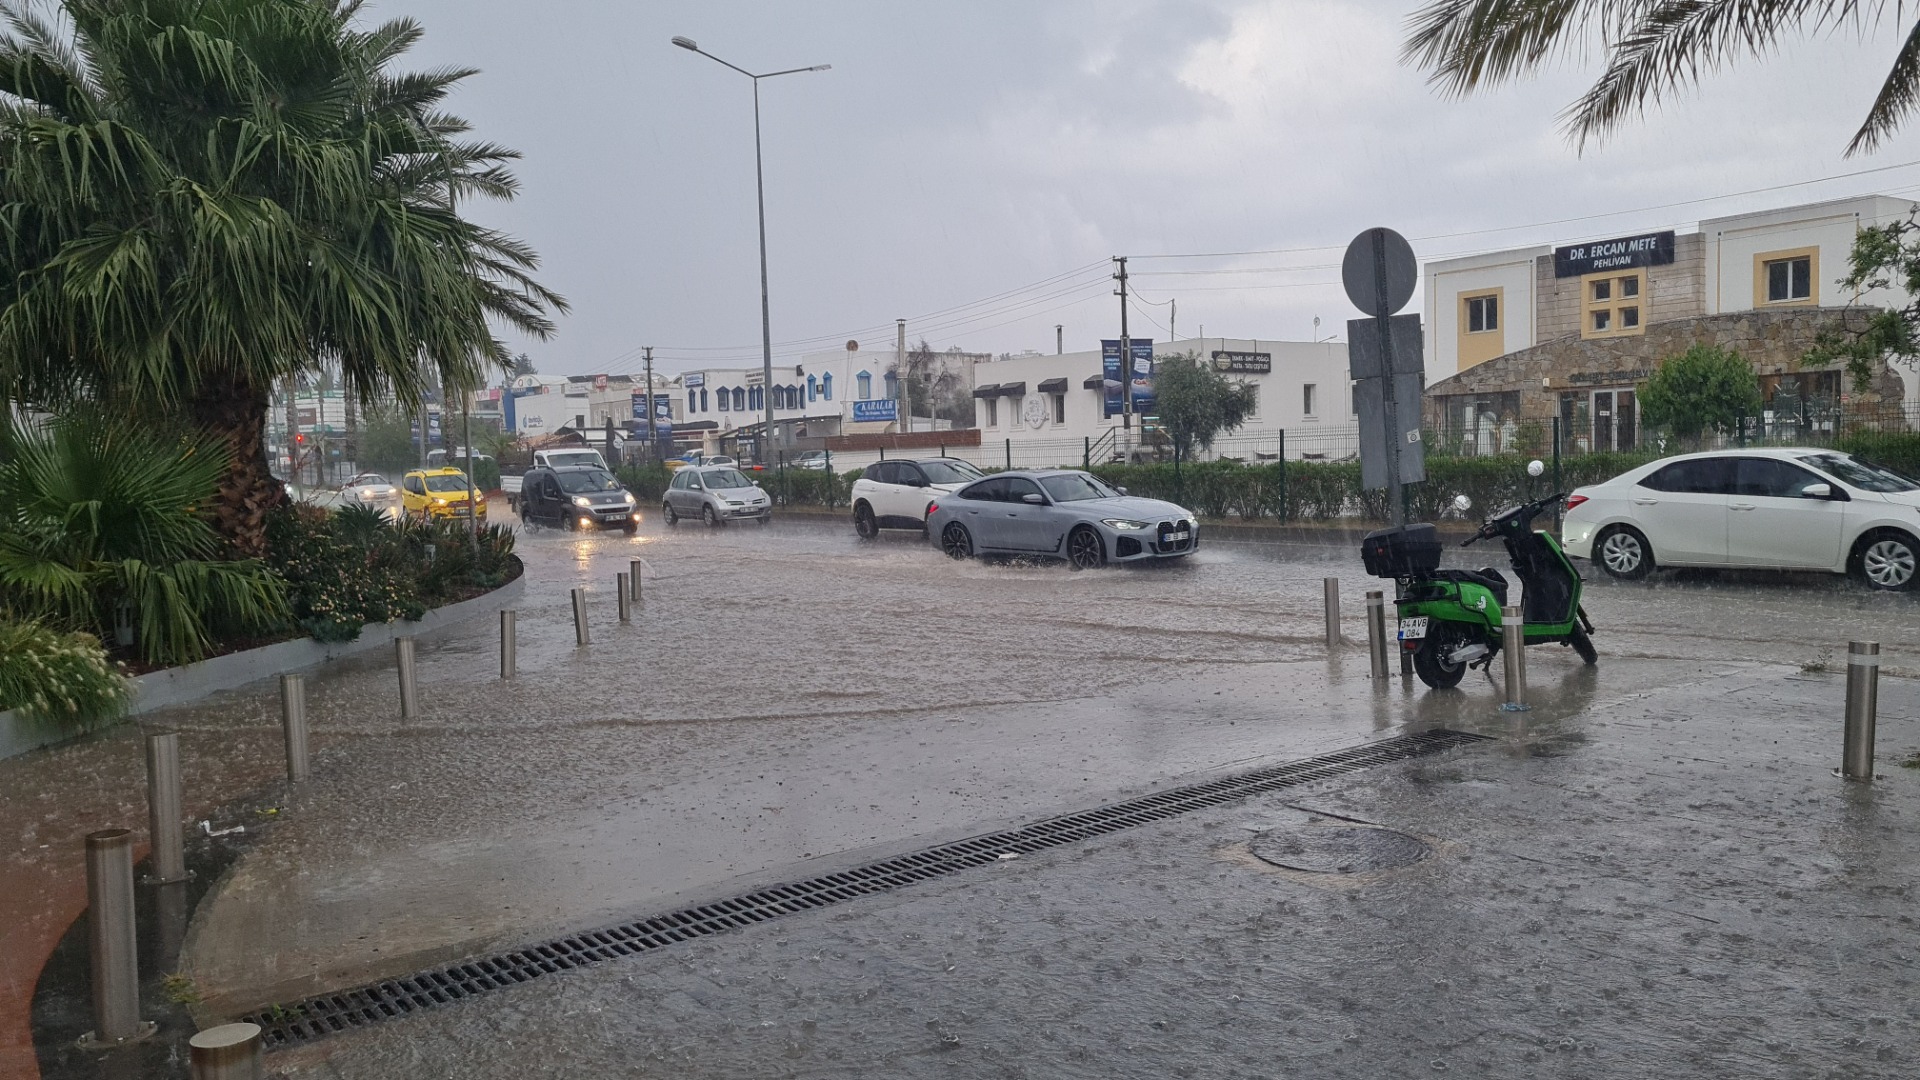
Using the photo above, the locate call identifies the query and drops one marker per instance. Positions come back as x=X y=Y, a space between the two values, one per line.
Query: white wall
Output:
x=1732 y=242
x=1447 y=280
x=1281 y=405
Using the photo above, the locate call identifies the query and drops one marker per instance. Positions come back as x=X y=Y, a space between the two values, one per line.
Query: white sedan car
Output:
x=371 y=489
x=1780 y=508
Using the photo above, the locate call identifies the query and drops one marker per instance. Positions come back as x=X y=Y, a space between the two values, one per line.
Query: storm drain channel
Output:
x=327 y=1014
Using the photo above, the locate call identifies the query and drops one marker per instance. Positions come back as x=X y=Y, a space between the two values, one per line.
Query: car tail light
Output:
x=931 y=507
x=1575 y=500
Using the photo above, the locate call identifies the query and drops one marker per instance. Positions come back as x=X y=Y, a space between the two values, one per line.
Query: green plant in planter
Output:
x=104 y=525
x=58 y=677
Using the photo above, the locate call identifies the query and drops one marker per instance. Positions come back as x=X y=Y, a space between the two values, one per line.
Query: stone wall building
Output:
x=1570 y=332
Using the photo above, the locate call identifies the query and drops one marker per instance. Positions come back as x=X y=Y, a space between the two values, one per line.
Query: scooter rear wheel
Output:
x=1431 y=663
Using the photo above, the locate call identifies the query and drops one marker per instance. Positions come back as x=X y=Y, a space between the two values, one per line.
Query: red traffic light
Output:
x=300 y=438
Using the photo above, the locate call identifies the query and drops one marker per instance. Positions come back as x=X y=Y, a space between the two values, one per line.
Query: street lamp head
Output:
x=821 y=67
x=686 y=43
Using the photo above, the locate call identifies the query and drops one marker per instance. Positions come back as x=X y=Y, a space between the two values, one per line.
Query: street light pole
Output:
x=763 y=448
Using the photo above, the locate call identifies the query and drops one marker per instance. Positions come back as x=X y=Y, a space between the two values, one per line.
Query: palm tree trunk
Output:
x=236 y=411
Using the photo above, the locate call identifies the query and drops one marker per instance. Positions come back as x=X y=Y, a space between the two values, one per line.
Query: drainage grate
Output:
x=320 y=1016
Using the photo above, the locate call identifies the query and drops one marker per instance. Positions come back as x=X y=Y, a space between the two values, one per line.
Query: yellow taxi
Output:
x=438 y=494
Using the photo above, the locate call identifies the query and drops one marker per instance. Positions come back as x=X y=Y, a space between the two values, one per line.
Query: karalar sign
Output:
x=1242 y=363
x=1625 y=253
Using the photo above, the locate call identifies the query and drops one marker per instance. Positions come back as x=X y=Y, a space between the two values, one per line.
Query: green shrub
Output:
x=1897 y=450
x=647 y=482
x=60 y=678
x=344 y=570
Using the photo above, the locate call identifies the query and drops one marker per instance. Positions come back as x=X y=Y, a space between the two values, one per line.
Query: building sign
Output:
x=880 y=409
x=693 y=379
x=599 y=382
x=1610 y=378
x=1138 y=381
x=1625 y=253
x=1242 y=363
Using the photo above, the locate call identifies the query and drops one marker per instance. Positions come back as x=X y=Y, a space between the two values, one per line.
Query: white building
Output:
x=1062 y=399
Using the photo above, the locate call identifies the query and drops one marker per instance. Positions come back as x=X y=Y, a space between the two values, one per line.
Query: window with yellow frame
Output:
x=1613 y=304
x=1787 y=278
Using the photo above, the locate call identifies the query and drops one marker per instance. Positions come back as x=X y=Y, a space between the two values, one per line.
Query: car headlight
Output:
x=1123 y=524
x=439 y=502
x=630 y=499
x=581 y=500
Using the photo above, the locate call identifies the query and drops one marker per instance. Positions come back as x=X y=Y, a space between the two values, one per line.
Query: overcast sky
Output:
x=958 y=156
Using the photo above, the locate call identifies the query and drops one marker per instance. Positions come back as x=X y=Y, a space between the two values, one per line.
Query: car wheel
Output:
x=1623 y=553
x=632 y=528
x=1085 y=551
x=955 y=541
x=707 y=515
x=863 y=522
x=1431 y=663
x=1583 y=645
x=1886 y=560
x=667 y=514
x=766 y=520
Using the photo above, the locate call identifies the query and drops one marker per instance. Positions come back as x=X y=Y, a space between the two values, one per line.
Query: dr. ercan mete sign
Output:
x=1625 y=253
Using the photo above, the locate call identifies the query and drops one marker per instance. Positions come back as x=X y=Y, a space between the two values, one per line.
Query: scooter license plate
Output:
x=1414 y=628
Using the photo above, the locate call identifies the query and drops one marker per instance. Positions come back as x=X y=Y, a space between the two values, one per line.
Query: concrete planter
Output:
x=191 y=682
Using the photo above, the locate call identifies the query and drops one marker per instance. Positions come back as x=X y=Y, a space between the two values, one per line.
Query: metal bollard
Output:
x=1863 y=701
x=633 y=578
x=293 y=721
x=1377 y=632
x=227 y=1052
x=112 y=944
x=1406 y=658
x=409 y=687
x=624 y=598
x=580 y=617
x=1332 y=588
x=509 y=647
x=169 y=862
x=1513 y=643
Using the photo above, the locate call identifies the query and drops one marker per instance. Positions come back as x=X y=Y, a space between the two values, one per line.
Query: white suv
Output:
x=894 y=494
x=1783 y=509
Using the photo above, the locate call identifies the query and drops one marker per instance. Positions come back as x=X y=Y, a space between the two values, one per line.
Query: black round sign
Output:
x=1371 y=253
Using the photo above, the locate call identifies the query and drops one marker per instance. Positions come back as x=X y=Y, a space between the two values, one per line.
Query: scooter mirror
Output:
x=1534 y=468
x=1462 y=503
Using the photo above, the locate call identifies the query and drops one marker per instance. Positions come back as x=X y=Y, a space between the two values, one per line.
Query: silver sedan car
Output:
x=715 y=495
x=1060 y=514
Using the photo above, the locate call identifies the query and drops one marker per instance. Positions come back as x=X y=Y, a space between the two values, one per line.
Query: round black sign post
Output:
x=1379 y=273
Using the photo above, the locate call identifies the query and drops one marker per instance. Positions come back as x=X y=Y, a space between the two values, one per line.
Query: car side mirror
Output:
x=1032 y=500
x=1121 y=490
x=1817 y=491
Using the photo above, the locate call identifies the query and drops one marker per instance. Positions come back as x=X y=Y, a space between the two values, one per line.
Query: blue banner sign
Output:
x=879 y=409
x=1139 y=380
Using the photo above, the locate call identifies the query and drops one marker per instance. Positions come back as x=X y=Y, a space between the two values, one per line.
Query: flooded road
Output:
x=789 y=695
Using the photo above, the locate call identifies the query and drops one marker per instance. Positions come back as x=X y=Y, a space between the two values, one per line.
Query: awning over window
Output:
x=989 y=390
x=1053 y=386
x=1013 y=389
x=1094 y=382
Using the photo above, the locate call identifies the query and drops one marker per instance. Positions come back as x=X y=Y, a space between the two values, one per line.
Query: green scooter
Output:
x=1450 y=619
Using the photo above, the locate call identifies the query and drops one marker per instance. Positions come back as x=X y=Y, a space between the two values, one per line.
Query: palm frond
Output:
x=1898 y=95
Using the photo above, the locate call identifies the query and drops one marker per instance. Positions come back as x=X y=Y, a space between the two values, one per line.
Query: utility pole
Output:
x=1126 y=348
x=1173 y=314
x=900 y=366
x=653 y=411
x=293 y=431
x=1059 y=338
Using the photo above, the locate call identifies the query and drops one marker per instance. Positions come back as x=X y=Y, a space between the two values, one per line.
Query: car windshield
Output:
x=949 y=472
x=578 y=458
x=722 y=479
x=1860 y=474
x=446 y=483
x=370 y=479
x=1076 y=487
x=575 y=483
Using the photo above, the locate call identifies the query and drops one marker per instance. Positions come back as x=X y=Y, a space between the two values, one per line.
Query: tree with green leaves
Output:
x=1706 y=388
x=1653 y=49
x=200 y=199
x=1196 y=403
x=1883 y=257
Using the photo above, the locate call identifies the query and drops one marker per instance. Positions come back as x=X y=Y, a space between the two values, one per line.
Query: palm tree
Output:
x=1654 y=48
x=201 y=198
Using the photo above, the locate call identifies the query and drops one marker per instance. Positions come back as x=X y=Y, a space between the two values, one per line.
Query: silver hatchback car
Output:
x=716 y=494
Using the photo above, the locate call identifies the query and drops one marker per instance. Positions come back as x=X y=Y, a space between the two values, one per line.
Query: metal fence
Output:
x=1808 y=425
x=1120 y=445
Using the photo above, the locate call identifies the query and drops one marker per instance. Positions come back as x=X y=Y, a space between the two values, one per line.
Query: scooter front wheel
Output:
x=1431 y=663
x=1583 y=644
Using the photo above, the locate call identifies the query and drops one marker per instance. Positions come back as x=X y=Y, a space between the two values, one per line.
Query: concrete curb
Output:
x=191 y=682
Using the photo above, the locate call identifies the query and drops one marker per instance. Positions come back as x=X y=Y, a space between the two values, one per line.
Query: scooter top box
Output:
x=1401 y=551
